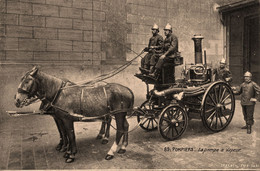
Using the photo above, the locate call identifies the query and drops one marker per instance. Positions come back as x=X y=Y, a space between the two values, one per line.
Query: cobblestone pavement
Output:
x=29 y=143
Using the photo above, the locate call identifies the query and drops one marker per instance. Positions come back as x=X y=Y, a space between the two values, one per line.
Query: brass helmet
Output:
x=247 y=74
x=223 y=61
x=155 y=27
x=168 y=27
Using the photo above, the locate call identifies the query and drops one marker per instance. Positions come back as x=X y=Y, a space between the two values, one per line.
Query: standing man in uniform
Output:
x=170 y=47
x=154 y=49
x=249 y=90
x=222 y=73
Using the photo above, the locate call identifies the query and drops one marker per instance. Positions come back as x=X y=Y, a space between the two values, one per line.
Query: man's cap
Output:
x=247 y=74
x=155 y=27
x=168 y=27
x=222 y=61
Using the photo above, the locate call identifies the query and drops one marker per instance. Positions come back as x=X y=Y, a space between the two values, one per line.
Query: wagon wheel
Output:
x=173 y=122
x=147 y=116
x=218 y=105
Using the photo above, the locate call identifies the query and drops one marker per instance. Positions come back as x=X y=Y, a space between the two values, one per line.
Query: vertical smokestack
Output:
x=198 y=50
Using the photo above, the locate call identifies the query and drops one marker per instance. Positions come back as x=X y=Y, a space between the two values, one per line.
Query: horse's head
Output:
x=27 y=89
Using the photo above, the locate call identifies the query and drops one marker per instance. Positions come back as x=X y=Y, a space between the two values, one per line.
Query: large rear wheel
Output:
x=218 y=106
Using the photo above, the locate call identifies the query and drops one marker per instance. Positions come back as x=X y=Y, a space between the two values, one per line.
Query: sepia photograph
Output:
x=129 y=84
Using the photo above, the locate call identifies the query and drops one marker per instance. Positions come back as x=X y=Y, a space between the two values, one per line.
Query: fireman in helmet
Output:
x=249 y=91
x=170 y=47
x=154 y=49
x=222 y=73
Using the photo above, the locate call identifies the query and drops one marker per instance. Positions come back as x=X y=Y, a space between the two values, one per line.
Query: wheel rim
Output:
x=218 y=107
x=173 y=122
x=147 y=117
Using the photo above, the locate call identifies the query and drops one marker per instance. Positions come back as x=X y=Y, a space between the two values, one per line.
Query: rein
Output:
x=105 y=76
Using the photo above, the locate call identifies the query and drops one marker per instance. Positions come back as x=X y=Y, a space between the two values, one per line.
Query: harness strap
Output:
x=46 y=104
x=58 y=92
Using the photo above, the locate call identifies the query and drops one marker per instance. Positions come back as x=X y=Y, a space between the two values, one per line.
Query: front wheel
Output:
x=173 y=122
x=147 y=116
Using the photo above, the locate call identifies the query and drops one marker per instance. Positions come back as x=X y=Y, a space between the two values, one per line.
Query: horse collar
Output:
x=46 y=104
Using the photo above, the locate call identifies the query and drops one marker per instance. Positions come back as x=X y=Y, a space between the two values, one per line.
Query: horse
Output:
x=68 y=103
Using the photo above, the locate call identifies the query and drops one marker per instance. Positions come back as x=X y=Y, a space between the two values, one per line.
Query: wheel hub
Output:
x=219 y=105
x=175 y=122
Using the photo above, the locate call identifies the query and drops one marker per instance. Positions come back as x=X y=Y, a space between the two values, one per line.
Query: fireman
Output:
x=154 y=49
x=223 y=73
x=170 y=47
x=249 y=91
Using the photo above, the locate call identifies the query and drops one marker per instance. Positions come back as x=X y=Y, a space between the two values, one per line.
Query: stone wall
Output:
x=52 y=30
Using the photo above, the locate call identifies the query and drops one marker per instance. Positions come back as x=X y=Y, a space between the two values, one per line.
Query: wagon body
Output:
x=171 y=103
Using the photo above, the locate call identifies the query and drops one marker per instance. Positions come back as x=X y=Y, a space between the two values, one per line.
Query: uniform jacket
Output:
x=222 y=74
x=248 y=91
x=170 y=44
x=156 y=41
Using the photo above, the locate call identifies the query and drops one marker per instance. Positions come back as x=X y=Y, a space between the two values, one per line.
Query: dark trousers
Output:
x=145 y=62
x=150 y=59
x=160 y=62
x=248 y=112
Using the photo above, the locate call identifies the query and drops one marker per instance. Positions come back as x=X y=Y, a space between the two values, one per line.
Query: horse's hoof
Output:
x=66 y=155
x=109 y=157
x=104 y=141
x=121 y=151
x=99 y=137
x=69 y=160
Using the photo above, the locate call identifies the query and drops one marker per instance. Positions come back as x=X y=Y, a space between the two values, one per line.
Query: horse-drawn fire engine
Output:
x=171 y=103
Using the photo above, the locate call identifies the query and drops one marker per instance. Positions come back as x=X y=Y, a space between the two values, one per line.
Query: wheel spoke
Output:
x=219 y=93
x=210 y=104
x=166 y=120
x=209 y=110
x=223 y=94
x=225 y=104
x=177 y=114
x=152 y=124
x=223 y=115
x=172 y=132
x=176 y=130
x=211 y=115
x=211 y=98
x=221 y=123
x=216 y=126
x=166 y=128
x=148 y=123
x=168 y=115
x=211 y=122
x=215 y=93
x=225 y=98
x=144 y=122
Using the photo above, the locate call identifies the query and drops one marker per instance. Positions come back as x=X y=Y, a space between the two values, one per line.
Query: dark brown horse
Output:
x=68 y=103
